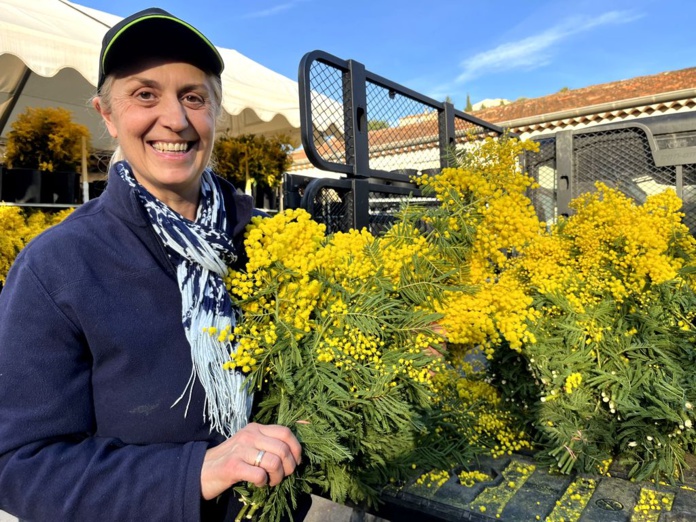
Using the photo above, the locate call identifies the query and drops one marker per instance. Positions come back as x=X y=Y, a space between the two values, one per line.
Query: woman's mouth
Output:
x=170 y=147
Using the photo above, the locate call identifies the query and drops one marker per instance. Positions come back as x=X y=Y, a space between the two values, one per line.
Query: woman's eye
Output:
x=193 y=100
x=144 y=95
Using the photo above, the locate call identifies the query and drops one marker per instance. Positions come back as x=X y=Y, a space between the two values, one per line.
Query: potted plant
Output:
x=255 y=163
x=43 y=151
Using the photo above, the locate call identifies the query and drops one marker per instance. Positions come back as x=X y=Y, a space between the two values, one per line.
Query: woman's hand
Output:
x=235 y=459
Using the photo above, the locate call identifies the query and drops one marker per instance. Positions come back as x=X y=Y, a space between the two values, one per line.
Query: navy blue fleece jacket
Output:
x=92 y=357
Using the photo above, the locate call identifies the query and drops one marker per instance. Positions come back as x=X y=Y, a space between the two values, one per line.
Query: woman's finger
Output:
x=274 y=468
x=275 y=457
x=286 y=436
x=258 y=476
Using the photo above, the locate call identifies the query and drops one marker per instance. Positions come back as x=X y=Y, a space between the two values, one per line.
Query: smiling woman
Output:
x=114 y=401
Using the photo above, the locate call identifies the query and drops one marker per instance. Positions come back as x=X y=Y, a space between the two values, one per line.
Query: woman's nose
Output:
x=173 y=114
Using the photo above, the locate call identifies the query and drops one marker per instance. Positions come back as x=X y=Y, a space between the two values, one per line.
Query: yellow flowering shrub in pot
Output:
x=18 y=228
x=43 y=153
x=254 y=163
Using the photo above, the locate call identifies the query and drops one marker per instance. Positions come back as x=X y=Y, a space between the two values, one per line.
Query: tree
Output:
x=249 y=159
x=374 y=125
x=469 y=107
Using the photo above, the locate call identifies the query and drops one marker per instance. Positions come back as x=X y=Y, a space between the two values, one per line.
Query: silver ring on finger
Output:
x=259 y=456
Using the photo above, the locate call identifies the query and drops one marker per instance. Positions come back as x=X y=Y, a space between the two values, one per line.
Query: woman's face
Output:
x=163 y=116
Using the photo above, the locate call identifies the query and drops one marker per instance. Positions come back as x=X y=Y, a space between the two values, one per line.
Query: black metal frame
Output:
x=361 y=197
x=369 y=197
x=355 y=132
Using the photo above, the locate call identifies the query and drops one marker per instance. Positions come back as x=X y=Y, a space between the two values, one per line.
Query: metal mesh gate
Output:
x=619 y=158
x=360 y=124
x=689 y=195
x=542 y=166
x=376 y=132
x=402 y=133
x=327 y=104
x=637 y=158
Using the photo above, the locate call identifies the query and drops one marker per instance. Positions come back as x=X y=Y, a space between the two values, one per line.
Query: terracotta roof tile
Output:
x=593 y=95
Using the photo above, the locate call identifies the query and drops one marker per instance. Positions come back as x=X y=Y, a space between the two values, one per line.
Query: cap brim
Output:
x=158 y=36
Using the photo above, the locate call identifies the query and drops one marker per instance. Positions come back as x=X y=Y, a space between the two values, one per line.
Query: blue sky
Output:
x=484 y=49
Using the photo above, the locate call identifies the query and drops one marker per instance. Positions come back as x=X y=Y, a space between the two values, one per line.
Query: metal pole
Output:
x=85 y=174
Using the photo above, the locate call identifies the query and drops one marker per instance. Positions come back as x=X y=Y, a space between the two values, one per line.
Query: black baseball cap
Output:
x=154 y=32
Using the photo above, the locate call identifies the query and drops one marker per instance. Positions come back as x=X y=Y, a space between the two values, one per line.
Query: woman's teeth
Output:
x=170 y=147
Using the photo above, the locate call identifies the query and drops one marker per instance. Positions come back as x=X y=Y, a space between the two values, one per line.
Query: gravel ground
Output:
x=324 y=510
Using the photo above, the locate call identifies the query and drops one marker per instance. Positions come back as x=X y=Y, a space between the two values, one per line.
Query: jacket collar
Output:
x=123 y=201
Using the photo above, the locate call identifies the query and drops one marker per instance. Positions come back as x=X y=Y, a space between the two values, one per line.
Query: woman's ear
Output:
x=106 y=116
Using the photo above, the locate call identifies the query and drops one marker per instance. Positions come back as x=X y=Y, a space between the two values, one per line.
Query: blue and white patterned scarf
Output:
x=201 y=250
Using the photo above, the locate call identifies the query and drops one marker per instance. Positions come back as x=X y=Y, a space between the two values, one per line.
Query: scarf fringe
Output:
x=227 y=400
